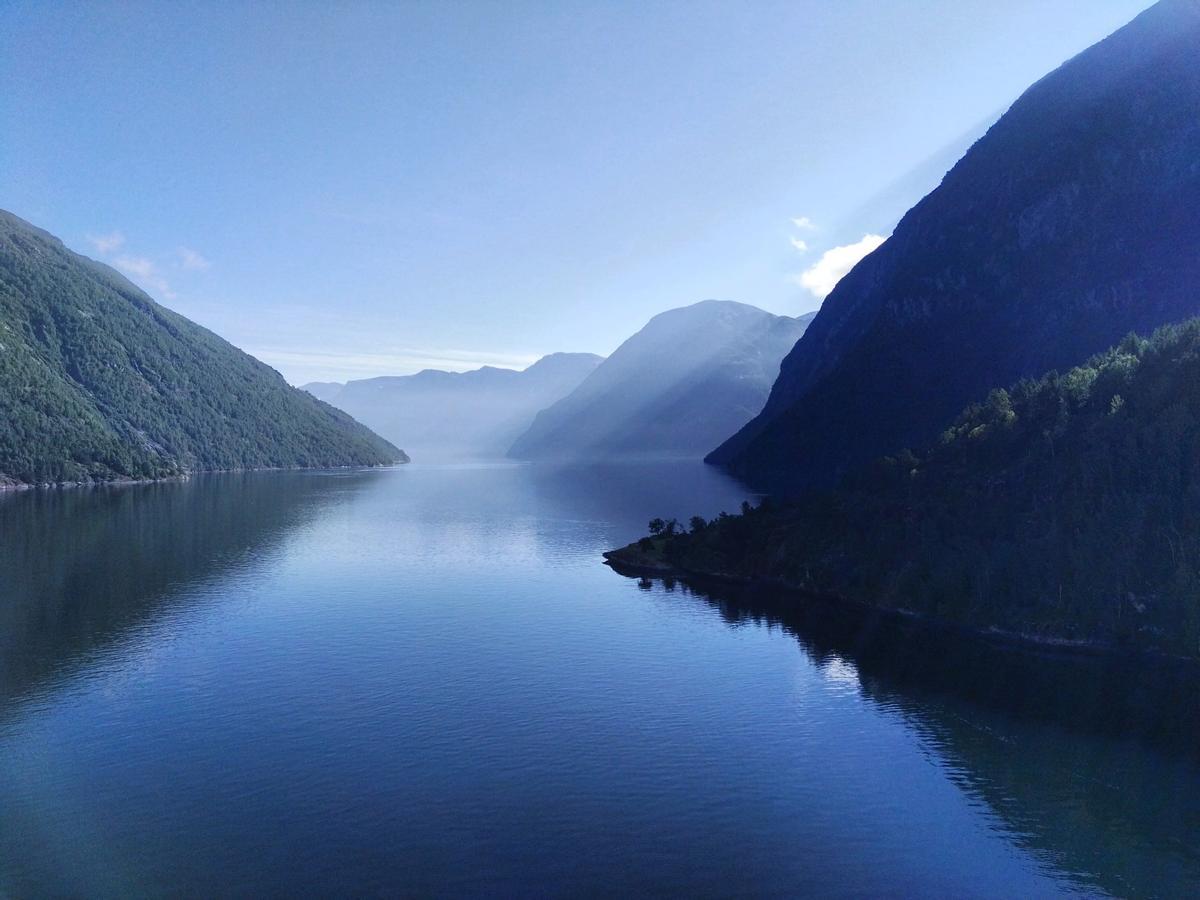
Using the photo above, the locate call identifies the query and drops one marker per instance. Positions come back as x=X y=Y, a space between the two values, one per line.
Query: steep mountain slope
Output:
x=456 y=415
x=1066 y=508
x=1072 y=222
x=99 y=382
x=689 y=377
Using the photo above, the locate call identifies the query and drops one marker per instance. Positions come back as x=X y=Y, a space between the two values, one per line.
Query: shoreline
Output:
x=631 y=562
x=20 y=486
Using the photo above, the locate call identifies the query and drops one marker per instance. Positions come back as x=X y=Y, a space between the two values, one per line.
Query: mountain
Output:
x=1065 y=509
x=458 y=415
x=325 y=391
x=1073 y=221
x=98 y=383
x=690 y=377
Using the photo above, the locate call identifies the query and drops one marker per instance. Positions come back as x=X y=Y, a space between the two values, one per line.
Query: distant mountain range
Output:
x=99 y=383
x=689 y=378
x=1073 y=222
x=443 y=416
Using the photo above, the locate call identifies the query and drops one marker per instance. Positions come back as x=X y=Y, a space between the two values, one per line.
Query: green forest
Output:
x=98 y=382
x=1065 y=508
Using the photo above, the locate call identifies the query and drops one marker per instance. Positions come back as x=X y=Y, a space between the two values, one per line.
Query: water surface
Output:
x=422 y=681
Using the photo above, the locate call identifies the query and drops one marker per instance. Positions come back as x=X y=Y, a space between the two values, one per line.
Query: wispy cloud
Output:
x=145 y=273
x=106 y=243
x=192 y=261
x=803 y=223
x=135 y=265
x=822 y=277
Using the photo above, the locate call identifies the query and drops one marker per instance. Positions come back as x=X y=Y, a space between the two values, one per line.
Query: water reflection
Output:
x=354 y=658
x=82 y=567
x=423 y=679
x=464 y=516
x=1091 y=763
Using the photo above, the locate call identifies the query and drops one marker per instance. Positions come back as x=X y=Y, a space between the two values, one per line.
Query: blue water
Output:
x=422 y=681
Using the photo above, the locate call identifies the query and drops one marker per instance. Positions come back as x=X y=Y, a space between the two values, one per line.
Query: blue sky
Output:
x=351 y=189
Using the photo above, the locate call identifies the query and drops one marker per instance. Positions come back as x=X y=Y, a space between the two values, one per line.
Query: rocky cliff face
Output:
x=1071 y=223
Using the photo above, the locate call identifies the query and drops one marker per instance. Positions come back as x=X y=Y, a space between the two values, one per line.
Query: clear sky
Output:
x=348 y=189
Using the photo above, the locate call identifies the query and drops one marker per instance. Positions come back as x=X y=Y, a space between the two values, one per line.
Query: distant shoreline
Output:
x=18 y=486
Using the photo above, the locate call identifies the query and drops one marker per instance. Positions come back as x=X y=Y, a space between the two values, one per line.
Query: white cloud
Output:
x=141 y=269
x=145 y=273
x=106 y=243
x=800 y=245
x=190 y=259
x=822 y=277
x=804 y=223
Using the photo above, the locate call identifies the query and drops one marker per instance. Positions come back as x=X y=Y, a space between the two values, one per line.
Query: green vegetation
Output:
x=98 y=382
x=1066 y=508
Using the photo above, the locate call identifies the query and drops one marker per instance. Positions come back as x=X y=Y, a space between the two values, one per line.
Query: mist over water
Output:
x=422 y=680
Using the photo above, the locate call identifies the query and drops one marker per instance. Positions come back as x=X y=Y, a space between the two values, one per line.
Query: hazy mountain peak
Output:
x=689 y=375
x=455 y=415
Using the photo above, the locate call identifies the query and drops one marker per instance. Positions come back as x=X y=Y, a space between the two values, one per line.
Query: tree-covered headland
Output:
x=1065 y=508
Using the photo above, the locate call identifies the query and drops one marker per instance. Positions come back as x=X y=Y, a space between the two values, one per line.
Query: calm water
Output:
x=423 y=681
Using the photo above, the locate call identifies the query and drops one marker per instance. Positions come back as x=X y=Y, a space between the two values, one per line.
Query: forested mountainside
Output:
x=98 y=383
x=689 y=377
x=459 y=415
x=1066 y=508
x=1071 y=223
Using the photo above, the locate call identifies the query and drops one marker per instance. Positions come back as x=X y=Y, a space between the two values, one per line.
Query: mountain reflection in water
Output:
x=424 y=681
x=1091 y=760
